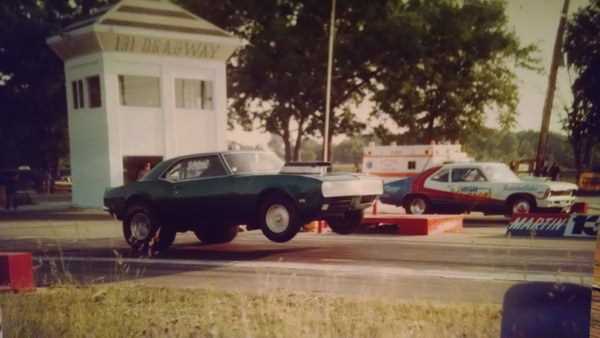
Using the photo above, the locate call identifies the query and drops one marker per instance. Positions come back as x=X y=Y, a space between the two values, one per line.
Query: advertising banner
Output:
x=554 y=225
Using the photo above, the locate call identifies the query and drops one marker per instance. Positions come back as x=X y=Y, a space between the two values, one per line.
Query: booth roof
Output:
x=157 y=15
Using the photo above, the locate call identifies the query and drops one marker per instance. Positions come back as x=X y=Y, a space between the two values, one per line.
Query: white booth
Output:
x=145 y=81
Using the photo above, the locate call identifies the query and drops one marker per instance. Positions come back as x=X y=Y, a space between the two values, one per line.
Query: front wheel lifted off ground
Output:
x=279 y=219
x=348 y=224
x=143 y=232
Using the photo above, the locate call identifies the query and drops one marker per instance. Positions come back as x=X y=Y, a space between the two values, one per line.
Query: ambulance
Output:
x=399 y=161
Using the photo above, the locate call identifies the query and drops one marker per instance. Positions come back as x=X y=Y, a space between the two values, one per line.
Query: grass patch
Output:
x=138 y=311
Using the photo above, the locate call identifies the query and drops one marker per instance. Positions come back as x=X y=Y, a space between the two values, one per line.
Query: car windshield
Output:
x=241 y=163
x=500 y=173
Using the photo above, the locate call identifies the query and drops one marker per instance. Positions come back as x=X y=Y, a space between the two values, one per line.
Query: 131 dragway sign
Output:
x=554 y=225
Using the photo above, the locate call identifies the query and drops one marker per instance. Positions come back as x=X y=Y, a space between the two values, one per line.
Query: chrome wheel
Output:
x=521 y=207
x=141 y=226
x=417 y=206
x=277 y=218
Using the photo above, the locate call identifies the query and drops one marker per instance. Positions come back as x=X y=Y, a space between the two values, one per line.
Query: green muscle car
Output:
x=212 y=193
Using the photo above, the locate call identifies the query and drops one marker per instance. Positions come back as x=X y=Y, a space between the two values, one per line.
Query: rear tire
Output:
x=348 y=224
x=216 y=234
x=417 y=205
x=143 y=232
x=278 y=218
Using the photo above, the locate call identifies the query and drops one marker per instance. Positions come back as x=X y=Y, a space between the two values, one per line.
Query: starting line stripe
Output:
x=362 y=270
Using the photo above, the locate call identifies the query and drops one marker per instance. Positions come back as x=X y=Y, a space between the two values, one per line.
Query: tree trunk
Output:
x=430 y=137
x=298 y=144
x=288 y=148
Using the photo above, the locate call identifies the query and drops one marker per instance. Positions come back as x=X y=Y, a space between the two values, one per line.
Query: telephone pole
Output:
x=547 y=112
x=328 y=89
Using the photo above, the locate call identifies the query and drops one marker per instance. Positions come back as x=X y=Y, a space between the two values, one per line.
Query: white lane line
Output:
x=361 y=270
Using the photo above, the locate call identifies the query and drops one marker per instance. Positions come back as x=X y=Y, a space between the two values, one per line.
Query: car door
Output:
x=470 y=188
x=201 y=190
x=438 y=189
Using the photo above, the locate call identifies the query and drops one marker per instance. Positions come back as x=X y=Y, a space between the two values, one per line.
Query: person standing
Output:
x=11 y=191
x=146 y=169
x=554 y=172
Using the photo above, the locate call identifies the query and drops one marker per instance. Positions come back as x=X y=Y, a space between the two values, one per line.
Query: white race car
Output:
x=477 y=186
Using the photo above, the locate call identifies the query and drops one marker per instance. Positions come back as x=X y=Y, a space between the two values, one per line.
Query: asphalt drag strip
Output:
x=362 y=281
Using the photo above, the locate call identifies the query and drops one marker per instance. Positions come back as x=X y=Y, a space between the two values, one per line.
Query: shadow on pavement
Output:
x=544 y=309
x=65 y=264
x=53 y=215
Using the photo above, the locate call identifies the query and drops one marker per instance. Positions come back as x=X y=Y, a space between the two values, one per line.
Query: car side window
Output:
x=441 y=176
x=467 y=175
x=209 y=166
x=176 y=173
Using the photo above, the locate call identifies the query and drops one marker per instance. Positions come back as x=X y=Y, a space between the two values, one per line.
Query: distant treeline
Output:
x=494 y=145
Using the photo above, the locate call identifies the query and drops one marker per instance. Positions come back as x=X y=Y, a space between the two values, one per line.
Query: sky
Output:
x=534 y=22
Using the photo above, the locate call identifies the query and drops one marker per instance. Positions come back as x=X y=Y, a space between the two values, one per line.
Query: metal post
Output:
x=547 y=112
x=328 y=90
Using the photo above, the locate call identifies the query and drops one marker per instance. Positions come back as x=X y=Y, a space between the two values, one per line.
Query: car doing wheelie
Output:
x=210 y=194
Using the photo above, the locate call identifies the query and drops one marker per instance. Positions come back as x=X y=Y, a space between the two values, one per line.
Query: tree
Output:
x=277 y=81
x=32 y=94
x=582 y=46
x=461 y=67
x=487 y=144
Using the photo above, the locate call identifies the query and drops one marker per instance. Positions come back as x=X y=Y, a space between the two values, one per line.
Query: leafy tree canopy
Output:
x=461 y=66
x=278 y=79
x=33 y=110
x=582 y=46
x=435 y=67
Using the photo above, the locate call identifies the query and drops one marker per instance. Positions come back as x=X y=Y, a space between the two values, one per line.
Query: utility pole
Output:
x=328 y=90
x=547 y=112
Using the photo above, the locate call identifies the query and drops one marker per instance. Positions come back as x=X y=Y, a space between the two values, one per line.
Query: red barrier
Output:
x=417 y=224
x=16 y=273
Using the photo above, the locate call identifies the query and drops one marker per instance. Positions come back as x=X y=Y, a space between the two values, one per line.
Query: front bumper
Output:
x=337 y=206
x=556 y=202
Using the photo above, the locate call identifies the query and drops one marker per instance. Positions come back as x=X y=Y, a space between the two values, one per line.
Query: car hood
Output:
x=539 y=186
x=560 y=186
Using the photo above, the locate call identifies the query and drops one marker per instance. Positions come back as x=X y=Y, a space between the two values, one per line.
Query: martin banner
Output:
x=554 y=225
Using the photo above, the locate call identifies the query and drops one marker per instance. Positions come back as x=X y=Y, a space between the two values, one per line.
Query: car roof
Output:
x=225 y=152
x=471 y=164
x=162 y=166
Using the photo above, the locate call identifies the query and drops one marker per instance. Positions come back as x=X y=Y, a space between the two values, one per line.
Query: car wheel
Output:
x=279 y=219
x=216 y=234
x=143 y=232
x=417 y=205
x=521 y=205
x=347 y=224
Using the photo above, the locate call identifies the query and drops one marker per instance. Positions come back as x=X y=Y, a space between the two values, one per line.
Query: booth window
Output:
x=139 y=91
x=94 y=94
x=193 y=94
x=77 y=93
